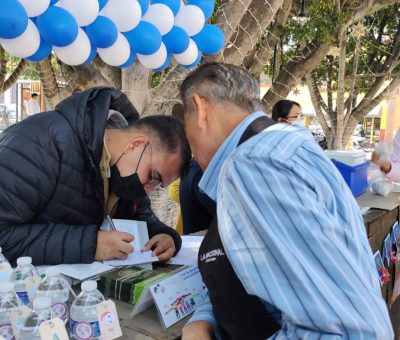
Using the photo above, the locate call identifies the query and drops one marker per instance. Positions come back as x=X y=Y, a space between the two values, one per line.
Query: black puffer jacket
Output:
x=51 y=189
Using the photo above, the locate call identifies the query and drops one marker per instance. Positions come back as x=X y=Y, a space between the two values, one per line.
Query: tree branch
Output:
x=13 y=78
x=294 y=70
x=261 y=56
x=49 y=82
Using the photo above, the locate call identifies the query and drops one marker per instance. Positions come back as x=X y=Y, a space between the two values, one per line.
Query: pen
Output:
x=109 y=219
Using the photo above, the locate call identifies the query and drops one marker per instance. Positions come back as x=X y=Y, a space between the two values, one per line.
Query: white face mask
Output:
x=299 y=123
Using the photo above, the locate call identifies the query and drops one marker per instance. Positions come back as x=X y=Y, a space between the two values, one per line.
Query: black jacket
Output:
x=51 y=189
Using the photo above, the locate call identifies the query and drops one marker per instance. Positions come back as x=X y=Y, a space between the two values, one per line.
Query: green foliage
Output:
x=380 y=30
x=30 y=71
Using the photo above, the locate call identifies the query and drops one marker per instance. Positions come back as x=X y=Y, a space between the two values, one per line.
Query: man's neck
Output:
x=115 y=142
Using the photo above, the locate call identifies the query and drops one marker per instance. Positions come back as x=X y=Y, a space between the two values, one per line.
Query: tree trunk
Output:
x=49 y=82
x=252 y=26
x=135 y=84
x=264 y=53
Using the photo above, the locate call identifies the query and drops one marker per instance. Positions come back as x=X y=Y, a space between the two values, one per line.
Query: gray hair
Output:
x=222 y=83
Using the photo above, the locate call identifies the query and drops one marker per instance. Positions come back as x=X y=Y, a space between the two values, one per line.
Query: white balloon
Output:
x=126 y=14
x=191 y=19
x=84 y=12
x=26 y=44
x=188 y=56
x=161 y=16
x=77 y=52
x=155 y=60
x=35 y=7
x=118 y=53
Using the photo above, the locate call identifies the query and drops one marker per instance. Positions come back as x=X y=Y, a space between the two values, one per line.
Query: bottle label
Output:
x=6 y=331
x=60 y=309
x=84 y=330
x=23 y=296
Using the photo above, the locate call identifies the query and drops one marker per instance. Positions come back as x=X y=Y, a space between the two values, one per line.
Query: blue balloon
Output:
x=42 y=53
x=130 y=60
x=52 y=2
x=165 y=65
x=144 y=5
x=102 y=32
x=102 y=3
x=57 y=26
x=199 y=56
x=207 y=6
x=175 y=5
x=145 y=38
x=210 y=40
x=13 y=19
x=92 y=55
x=176 y=40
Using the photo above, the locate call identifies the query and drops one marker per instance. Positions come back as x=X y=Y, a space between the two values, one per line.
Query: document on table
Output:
x=189 y=251
x=139 y=230
x=83 y=271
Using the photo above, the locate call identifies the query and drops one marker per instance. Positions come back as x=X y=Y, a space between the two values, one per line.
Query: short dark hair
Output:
x=34 y=95
x=282 y=108
x=222 y=83
x=171 y=135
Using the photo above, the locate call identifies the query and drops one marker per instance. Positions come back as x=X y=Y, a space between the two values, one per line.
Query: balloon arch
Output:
x=119 y=31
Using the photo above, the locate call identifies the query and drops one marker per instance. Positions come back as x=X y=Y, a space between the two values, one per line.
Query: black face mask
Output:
x=127 y=188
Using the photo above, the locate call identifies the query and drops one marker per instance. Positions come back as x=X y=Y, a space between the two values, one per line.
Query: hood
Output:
x=87 y=114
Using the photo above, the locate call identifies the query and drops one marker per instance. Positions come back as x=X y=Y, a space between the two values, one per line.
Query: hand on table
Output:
x=163 y=246
x=113 y=245
x=198 y=330
x=384 y=165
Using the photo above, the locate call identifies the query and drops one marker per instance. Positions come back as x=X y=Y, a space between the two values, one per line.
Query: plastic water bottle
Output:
x=57 y=289
x=8 y=301
x=41 y=312
x=4 y=275
x=84 y=323
x=24 y=270
x=2 y=258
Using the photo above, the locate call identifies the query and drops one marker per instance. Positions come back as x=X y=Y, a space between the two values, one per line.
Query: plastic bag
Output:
x=377 y=181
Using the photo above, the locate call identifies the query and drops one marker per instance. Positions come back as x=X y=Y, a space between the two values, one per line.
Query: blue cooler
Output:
x=356 y=176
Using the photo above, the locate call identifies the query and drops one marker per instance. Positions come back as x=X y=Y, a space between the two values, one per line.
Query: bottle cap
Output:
x=51 y=272
x=6 y=287
x=24 y=261
x=41 y=302
x=88 y=286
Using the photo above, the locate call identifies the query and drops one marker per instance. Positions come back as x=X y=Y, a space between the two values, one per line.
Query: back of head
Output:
x=34 y=95
x=222 y=83
x=282 y=108
x=168 y=134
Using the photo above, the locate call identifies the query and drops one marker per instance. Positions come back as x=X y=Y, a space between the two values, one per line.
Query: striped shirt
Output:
x=295 y=237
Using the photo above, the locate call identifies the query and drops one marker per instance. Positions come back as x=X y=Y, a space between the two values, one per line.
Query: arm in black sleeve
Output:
x=29 y=170
x=154 y=225
x=49 y=243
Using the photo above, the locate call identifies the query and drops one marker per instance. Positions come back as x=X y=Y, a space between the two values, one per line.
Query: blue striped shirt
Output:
x=295 y=237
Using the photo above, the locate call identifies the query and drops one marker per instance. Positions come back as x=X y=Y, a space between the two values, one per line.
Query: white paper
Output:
x=83 y=271
x=189 y=251
x=178 y=295
x=139 y=230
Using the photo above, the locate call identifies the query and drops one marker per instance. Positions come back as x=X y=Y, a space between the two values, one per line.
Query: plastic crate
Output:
x=356 y=176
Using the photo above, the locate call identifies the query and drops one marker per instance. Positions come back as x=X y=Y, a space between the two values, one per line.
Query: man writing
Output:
x=61 y=172
x=288 y=256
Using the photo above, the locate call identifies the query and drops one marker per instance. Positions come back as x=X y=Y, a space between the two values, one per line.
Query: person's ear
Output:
x=137 y=141
x=201 y=106
x=281 y=120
